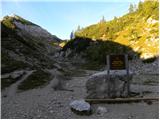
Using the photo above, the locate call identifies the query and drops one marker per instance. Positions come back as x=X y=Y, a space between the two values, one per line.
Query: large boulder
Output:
x=100 y=85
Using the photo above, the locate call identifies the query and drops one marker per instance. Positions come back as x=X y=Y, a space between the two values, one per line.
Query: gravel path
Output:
x=47 y=103
x=11 y=91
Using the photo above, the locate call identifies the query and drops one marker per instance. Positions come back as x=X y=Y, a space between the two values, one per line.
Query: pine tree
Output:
x=140 y=6
x=103 y=19
x=131 y=8
x=72 y=35
x=115 y=18
x=78 y=28
x=135 y=7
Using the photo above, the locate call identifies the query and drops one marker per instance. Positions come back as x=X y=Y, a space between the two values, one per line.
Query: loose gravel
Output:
x=47 y=103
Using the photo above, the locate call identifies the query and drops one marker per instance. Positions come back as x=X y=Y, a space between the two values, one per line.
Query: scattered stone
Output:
x=17 y=74
x=68 y=52
x=51 y=111
x=4 y=95
x=138 y=67
x=38 y=116
x=14 y=75
x=130 y=117
x=101 y=110
x=80 y=107
x=149 y=102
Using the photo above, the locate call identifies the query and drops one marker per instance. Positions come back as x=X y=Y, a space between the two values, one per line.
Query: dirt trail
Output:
x=47 y=103
x=11 y=91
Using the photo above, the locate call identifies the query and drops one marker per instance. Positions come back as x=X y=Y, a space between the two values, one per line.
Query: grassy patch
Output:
x=8 y=21
x=14 y=65
x=6 y=82
x=92 y=66
x=77 y=73
x=35 y=80
x=150 y=60
x=9 y=64
x=68 y=73
x=145 y=79
x=150 y=82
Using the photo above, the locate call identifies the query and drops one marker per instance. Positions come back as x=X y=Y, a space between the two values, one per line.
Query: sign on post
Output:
x=118 y=62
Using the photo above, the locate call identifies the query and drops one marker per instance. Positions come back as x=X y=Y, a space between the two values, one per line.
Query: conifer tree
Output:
x=78 y=28
x=131 y=8
x=103 y=19
x=72 y=35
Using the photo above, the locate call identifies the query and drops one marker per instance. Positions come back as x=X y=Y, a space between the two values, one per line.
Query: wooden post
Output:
x=127 y=69
x=121 y=100
x=108 y=74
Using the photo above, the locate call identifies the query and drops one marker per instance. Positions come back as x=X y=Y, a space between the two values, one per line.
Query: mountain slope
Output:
x=25 y=45
x=137 y=29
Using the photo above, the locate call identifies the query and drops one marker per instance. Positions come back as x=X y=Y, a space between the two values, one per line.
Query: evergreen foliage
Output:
x=131 y=8
x=137 y=29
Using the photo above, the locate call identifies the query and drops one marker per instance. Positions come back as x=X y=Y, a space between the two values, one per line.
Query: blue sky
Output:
x=61 y=17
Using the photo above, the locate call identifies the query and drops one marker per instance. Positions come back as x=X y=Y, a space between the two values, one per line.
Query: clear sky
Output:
x=61 y=17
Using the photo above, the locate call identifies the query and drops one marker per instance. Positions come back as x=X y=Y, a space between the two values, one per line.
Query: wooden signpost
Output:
x=118 y=62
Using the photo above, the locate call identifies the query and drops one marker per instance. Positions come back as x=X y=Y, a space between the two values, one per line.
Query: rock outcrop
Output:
x=26 y=45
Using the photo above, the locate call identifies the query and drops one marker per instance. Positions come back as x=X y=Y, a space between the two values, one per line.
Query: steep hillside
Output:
x=138 y=29
x=25 y=45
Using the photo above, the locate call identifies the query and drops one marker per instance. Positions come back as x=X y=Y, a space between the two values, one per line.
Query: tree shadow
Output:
x=95 y=51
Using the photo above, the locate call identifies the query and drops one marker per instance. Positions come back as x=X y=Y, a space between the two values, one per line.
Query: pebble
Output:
x=130 y=117
x=51 y=111
x=38 y=116
x=4 y=95
x=101 y=110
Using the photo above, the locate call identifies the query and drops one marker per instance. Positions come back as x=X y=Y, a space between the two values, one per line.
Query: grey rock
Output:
x=14 y=75
x=100 y=85
x=80 y=107
x=130 y=117
x=51 y=111
x=68 y=52
x=101 y=110
x=17 y=74
x=35 y=31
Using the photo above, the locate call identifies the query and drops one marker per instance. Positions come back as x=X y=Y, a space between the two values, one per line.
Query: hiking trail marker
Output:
x=118 y=62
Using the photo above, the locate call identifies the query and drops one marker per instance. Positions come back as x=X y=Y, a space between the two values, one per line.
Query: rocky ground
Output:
x=49 y=103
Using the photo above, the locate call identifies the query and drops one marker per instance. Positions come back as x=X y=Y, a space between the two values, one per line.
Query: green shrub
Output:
x=6 y=82
x=149 y=60
x=35 y=80
x=9 y=64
